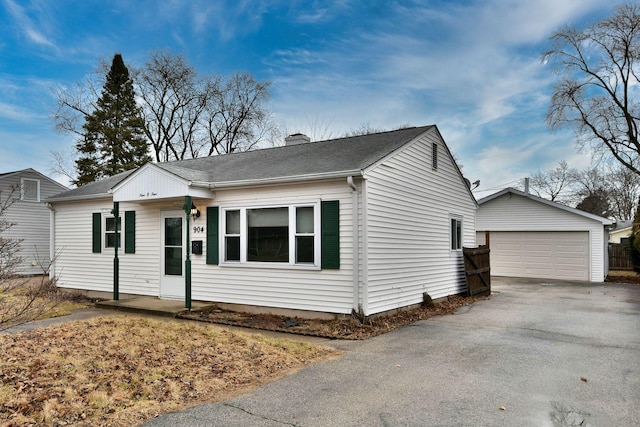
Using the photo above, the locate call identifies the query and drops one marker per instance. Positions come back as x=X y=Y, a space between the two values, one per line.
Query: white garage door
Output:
x=544 y=254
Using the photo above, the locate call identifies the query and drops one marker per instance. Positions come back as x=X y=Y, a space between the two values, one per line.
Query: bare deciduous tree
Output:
x=598 y=92
x=590 y=187
x=624 y=190
x=235 y=117
x=555 y=184
x=174 y=99
x=186 y=114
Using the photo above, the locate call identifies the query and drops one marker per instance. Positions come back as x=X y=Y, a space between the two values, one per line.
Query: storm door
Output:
x=173 y=232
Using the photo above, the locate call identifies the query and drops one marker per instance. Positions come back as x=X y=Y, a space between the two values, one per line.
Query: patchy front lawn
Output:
x=122 y=370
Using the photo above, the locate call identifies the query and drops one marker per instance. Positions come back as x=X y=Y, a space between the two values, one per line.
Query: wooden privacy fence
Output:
x=478 y=270
x=619 y=257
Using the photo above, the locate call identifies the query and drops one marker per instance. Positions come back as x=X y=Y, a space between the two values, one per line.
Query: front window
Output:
x=110 y=232
x=281 y=234
x=456 y=234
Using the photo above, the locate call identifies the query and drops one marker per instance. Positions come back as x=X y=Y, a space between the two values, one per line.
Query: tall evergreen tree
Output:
x=114 y=139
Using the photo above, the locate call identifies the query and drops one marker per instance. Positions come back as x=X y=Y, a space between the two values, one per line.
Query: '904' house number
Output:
x=198 y=229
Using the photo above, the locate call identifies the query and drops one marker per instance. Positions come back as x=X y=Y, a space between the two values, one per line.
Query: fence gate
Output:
x=478 y=270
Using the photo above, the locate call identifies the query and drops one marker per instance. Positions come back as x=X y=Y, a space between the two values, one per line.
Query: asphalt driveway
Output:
x=538 y=353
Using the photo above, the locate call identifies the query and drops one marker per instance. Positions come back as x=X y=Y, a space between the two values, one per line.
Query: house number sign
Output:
x=198 y=229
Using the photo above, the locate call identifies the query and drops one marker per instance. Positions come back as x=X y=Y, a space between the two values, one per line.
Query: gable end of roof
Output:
x=510 y=190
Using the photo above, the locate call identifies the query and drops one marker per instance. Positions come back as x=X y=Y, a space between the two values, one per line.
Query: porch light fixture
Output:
x=195 y=213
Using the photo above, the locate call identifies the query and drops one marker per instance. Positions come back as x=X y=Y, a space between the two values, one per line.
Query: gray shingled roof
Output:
x=313 y=158
x=98 y=188
x=336 y=155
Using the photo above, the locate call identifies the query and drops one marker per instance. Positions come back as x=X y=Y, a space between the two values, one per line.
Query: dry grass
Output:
x=122 y=370
x=34 y=298
x=623 y=273
x=623 y=276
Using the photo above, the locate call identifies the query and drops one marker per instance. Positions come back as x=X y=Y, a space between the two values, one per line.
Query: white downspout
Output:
x=52 y=242
x=365 y=250
x=354 y=236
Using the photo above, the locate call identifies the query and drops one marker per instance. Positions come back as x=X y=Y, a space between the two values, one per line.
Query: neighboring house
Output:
x=30 y=216
x=621 y=230
x=368 y=223
x=534 y=237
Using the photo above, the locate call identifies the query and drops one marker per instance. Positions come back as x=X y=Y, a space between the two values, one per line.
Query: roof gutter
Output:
x=76 y=198
x=277 y=180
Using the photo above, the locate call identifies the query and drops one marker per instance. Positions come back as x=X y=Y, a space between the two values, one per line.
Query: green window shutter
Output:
x=130 y=232
x=213 y=214
x=330 y=225
x=97 y=233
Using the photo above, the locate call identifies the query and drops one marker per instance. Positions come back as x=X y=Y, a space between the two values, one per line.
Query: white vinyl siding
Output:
x=512 y=212
x=408 y=227
x=77 y=267
x=31 y=218
x=272 y=285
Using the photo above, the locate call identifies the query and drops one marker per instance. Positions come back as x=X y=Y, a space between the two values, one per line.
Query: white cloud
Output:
x=15 y=112
x=30 y=29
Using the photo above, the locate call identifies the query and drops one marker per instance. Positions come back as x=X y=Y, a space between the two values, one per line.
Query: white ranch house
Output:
x=366 y=223
x=30 y=216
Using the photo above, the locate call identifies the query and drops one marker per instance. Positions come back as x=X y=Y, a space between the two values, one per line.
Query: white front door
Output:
x=172 y=255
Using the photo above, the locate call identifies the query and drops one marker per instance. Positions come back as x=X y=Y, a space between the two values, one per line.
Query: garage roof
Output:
x=510 y=190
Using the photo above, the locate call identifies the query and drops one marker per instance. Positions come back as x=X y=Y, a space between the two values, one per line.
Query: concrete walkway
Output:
x=538 y=353
x=151 y=305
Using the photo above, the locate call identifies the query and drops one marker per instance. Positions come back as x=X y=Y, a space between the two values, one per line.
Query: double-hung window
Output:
x=110 y=232
x=456 y=234
x=272 y=234
x=103 y=232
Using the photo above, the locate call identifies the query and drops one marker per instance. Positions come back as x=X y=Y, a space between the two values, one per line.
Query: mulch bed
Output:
x=344 y=327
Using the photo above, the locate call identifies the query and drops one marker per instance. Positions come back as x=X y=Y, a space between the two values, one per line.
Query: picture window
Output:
x=279 y=234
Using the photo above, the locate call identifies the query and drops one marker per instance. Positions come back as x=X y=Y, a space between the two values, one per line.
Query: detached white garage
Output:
x=533 y=237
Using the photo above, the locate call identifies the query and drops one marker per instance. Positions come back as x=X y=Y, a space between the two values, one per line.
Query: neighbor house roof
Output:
x=342 y=156
x=622 y=225
x=511 y=190
x=31 y=170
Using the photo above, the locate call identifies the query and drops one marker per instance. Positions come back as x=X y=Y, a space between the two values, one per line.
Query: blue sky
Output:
x=471 y=67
